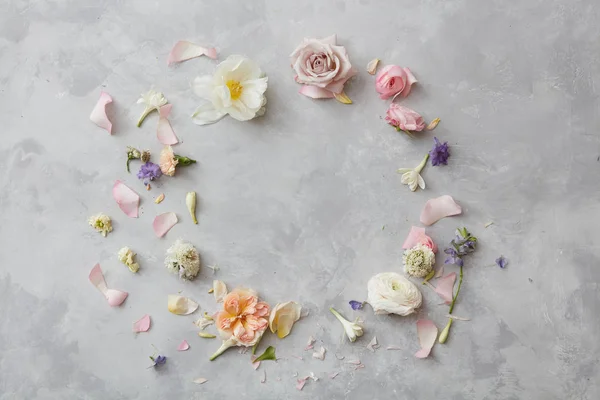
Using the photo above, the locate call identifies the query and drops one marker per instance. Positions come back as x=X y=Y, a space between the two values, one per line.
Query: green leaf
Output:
x=269 y=354
x=429 y=276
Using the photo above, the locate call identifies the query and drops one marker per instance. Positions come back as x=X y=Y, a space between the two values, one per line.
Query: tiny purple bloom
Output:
x=158 y=360
x=148 y=172
x=356 y=305
x=501 y=262
x=440 y=153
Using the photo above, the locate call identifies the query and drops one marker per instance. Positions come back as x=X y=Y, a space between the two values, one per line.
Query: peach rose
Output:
x=323 y=64
x=403 y=118
x=393 y=80
x=243 y=319
x=168 y=162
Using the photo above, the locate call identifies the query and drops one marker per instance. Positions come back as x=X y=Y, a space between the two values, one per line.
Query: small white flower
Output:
x=205 y=321
x=412 y=177
x=353 y=329
x=237 y=88
x=153 y=100
x=101 y=223
x=418 y=261
x=182 y=258
x=126 y=256
x=391 y=293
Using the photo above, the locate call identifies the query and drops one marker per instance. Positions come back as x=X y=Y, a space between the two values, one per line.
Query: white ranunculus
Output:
x=237 y=88
x=391 y=293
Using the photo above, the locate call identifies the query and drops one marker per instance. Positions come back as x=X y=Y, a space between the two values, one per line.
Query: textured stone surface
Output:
x=303 y=204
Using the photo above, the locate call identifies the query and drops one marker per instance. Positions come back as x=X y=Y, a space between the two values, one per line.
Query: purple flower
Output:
x=356 y=305
x=158 y=360
x=501 y=262
x=439 y=154
x=453 y=257
x=149 y=172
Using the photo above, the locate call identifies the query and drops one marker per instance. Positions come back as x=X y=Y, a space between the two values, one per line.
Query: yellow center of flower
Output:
x=235 y=89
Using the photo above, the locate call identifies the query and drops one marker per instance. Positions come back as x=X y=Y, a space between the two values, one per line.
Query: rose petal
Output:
x=372 y=66
x=439 y=272
x=413 y=237
x=427 y=333
x=283 y=317
x=114 y=297
x=320 y=355
x=301 y=383
x=316 y=92
x=438 y=208
x=373 y=344
x=219 y=290
x=184 y=50
x=163 y=223
x=127 y=199
x=309 y=345
x=183 y=346
x=200 y=381
x=180 y=305
x=164 y=131
x=142 y=325
x=98 y=115
x=445 y=287
x=342 y=98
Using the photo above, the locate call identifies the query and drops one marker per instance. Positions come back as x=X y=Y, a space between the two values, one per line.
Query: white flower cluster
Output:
x=101 y=223
x=182 y=258
x=126 y=256
x=418 y=261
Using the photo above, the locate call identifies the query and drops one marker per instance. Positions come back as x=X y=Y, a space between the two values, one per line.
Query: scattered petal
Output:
x=181 y=305
x=393 y=348
x=142 y=325
x=501 y=262
x=342 y=98
x=282 y=318
x=264 y=379
x=301 y=383
x=309 y=345
x=316 y=92
x=127 y=199
x=320 y=355
x=164 y=130
x=183 y=51
x=372 y=66
x=356 y=305
x=438 y=208
x=219 y=290
x=427 y=333
x=440 y=272
x=354 y=362
x=114 y=297
x=206 y=335
x=183 y=346
x=205 y=321
x=313 y=377
x=298 y=357
x=98 y=115
x=489 y=224
x=339 y=357
x=445 y=287
x=417 y=235
x=163 y=223
x=373 y=344
x=200 y=381
x=458 y=318
x=433 y=124
x=333 y=375
x=160 y=198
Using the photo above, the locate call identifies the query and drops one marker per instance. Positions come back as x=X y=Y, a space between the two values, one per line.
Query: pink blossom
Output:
x=393 y=80
x=403 y=118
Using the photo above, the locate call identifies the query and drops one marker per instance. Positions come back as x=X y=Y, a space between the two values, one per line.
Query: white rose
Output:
x=391 y=293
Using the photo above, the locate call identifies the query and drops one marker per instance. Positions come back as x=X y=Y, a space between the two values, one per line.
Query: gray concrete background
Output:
x=293 y=204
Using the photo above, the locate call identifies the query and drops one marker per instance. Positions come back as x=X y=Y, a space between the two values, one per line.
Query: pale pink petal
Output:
x=184 y=50
x=414 y=237
x=445 y=287
x=142 y=325
x=427 y=333
x=438 y=208
x=115 y=297
x=316 y=92
x=127 y=199
x=320 y=355
x=163 y=223
x=440 y=272
x=333 y=375
x=98 y=115
x=164 y=131
x=183 y=346
x=301 y=383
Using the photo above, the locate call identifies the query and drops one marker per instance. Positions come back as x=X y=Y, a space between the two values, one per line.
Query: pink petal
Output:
x=445 y=287
x=427 y=333
x=127 y=199
x=316 y=92
x=413 y=237
x=98 y=115
x=142 y=325
x=114 y=297
x=184 y=50
x=163 y=223
x=301 y=383
x=164 y=131
x=183 y=346
x=438 y=208
x=439 y=272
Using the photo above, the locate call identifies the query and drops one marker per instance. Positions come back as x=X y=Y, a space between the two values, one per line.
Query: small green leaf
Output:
x=429 y=276
x=269 y=354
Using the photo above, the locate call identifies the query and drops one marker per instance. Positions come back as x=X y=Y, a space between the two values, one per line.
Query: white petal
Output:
x=181 y=305
x=252 y=99
x=207 y=114
x=413 y=185
x=407 y=178
x=203 y=86
x=421 y=182
x=257 y=85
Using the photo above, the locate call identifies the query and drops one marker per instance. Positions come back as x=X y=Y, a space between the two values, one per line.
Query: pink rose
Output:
x=393 y=80
x=427 y=241
x=403 y=118
x=322 y=64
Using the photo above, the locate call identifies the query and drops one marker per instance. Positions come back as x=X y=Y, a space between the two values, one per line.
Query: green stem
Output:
x=337 y=315
x=144 y=115
x=256 y=346
x=183 y=161
x=422 y=165
x=226 y=344
x=457 y=290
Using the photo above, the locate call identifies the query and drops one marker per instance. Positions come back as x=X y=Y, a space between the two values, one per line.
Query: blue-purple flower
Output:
x=501 y=262
x=158 y=360
x=463 y=244
x=356 y=305
x=148 y=172
x=440 y=153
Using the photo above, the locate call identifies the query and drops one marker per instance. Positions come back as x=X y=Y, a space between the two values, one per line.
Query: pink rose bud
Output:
x=403 y=118
x=393 y=80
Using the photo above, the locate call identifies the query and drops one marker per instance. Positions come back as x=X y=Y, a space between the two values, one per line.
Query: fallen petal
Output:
x=373 y=344
x=445 y=287
x=372 y=66
x=264 y=379
x=333 y=375
x=342 y=98
x=183 y=346
x=98 y=115
x=181 y=305
x=114 y=297
x=427 y=333
x=200 y=381
x=142 y=325
x=127 y=199
x=438 y=208
x=432 y=125
x=164 y=130
x=320 y=355
x=219 y=290
x=163 y=223
x=160 y=198
x=301 y=383
x=440 y=272
x=283 y=316
x=184 y=50
x=393 y=348
x=316 y=92
x=309 y=345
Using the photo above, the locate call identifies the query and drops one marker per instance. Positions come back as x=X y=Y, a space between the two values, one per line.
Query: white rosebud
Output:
x=391 y=293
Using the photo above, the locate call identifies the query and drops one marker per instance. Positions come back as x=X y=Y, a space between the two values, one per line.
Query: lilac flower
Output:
x=440 y=153
x=501 y=262
x=149 y=172
x=158 y=360
x=453 y=257
x=356 y=305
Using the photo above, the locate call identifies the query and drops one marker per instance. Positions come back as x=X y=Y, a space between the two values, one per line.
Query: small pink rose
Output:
x=403 y=118
x=428 y=242
x=393 y=80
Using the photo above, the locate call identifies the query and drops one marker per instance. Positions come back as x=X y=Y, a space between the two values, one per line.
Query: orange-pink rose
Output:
x=243 y=319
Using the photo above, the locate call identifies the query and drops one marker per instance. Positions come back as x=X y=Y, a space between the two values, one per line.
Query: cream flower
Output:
x=237 y=88
x=183 y=258
x=169 y=160
x=391 y=293
x=153 y=100
x=353 y=329
x=101 y=223
x=412 y=177
x=126 y=256
x=418 y=261
x=283 y=316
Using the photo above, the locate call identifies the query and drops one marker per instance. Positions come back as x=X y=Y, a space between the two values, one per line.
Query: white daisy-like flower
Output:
x=183 y=258
x=418 y=261
x=412 y=177
x=101 y=223
x=153 y=100
x=126 y=256
x=237 y=88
